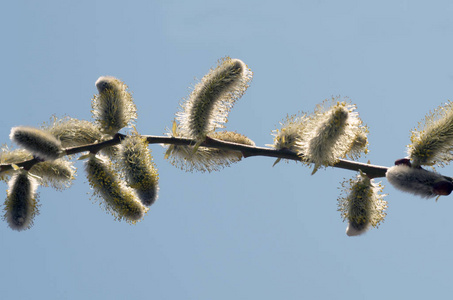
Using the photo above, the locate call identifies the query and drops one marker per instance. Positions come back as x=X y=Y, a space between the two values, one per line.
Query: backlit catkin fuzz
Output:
x=113 y=107
x=72 y=132
x=359 y=143
x=204 y=158
x=208 y=105
x=363 y=206
x=139 y=169
x=40 y=143
x=432 y=142
x=289 y=136
x=58 y=173
x=330 y=133
x=418 y=181
x=21 y=205
x=119 y=200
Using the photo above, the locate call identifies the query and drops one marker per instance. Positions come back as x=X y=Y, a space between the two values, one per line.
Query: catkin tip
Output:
x=352 y=230
x=106 y=82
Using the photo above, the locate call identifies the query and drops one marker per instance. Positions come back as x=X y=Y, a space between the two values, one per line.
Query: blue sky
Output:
x=251 y=231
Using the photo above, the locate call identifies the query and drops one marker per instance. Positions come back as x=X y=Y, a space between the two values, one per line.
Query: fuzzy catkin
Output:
x=39 y=142
x=414 y=180
x=119 y=200
x=289 y=136
x=21 y=204
x=432 y=142
x=358 y=144
x=233 y=137
x=320 y=148
x=206 y=159
x=139 y=169
x=330 y=133
x=58 y=173
x=209 y=103
x=72 y=132
x=113 y=108
x=9 y=156
x=363 y=206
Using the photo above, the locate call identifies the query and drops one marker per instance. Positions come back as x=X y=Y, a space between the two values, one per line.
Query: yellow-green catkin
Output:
x=58 y=174
x=113 y=108
x=72 y=132
x=363 y=205
x=290 y=133
x=229 y=156
x=39 y=142
x=206 y=159
x=119 y=199
x=208 y=105
x=139 y=169
x=432 y=141
x=21 y=205
x=9 y=156
x=359 y=144
x=330 y=133
x=289 y=136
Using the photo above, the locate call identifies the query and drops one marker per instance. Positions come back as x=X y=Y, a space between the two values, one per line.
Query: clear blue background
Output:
x=251 y=231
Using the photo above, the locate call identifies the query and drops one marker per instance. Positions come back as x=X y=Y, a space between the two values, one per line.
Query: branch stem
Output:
x=372 y=171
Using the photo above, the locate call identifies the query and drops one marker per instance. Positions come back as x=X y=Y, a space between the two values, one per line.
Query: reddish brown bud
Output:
x=443 y=188
x=403 y=161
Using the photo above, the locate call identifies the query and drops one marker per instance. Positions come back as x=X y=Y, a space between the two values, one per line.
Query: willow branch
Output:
x=372 y=171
